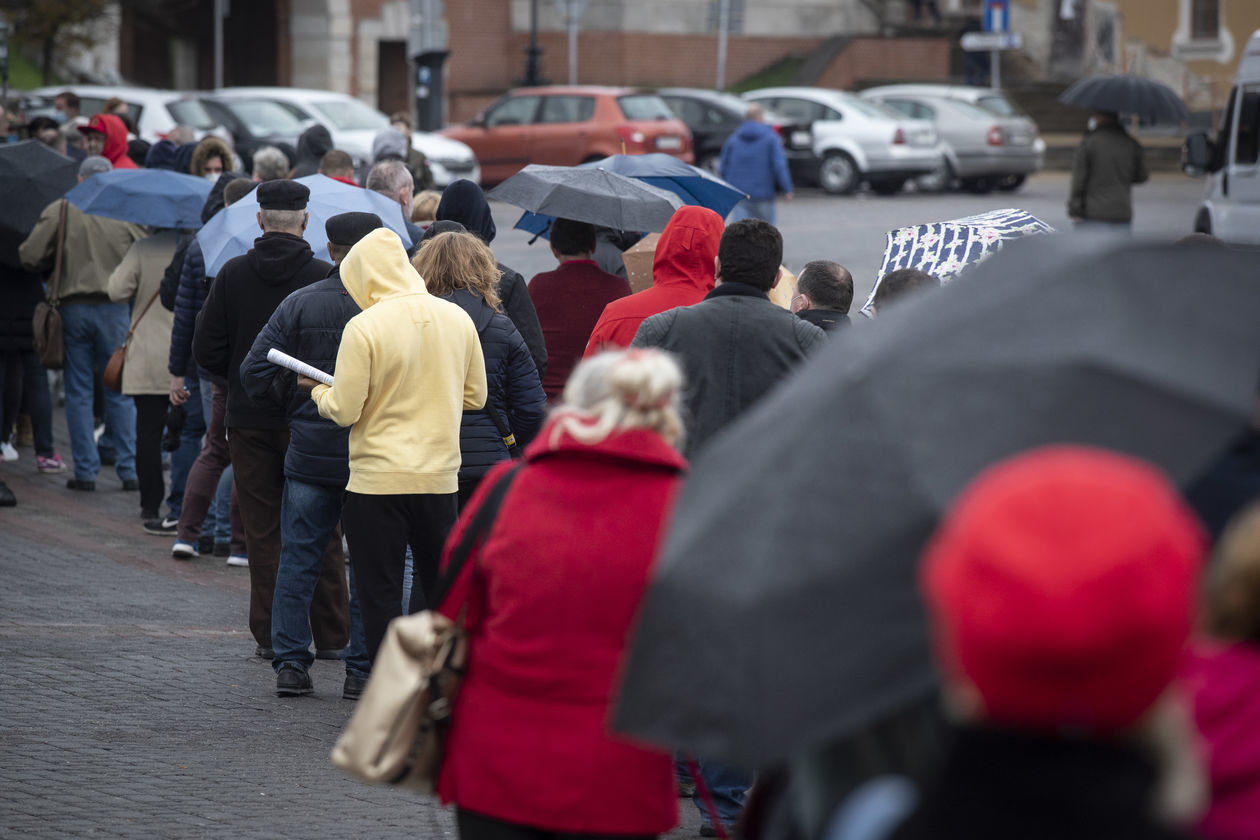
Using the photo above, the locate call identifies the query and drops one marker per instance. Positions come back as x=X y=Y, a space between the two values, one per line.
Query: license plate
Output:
x=668 y=142
x=800 y=138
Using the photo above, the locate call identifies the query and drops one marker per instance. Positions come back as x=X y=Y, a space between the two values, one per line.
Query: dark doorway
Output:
x=393 y=73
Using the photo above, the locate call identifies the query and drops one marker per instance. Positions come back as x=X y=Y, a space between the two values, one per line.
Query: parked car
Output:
x=565 y=126
x=854 y=140
x=714 y=115
x=353 y=125
x=1231 y=160
x=153 y=112
x=988 y=143
x=255 y=123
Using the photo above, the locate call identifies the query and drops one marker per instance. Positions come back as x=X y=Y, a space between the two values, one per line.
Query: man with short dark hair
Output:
x=339 y=166
x=824 y=293
x=570 y=299
x=68 y=104
x=734 y=346
x=898 y=284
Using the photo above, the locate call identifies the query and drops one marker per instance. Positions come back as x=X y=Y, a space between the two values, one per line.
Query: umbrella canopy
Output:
x=784 y=609
x=690 y=183
x=943 y=249
x=589 y=195
x=156 y=197
x=32 y=176
x=1124 y=94
x=233 y=230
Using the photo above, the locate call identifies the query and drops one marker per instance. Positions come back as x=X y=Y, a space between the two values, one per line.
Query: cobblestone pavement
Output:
x=133 y=706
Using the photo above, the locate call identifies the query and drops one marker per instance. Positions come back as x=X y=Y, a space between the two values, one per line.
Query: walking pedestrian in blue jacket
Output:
x=753 y=161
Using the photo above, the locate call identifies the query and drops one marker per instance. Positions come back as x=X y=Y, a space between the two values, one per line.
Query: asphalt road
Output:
x=850 y=229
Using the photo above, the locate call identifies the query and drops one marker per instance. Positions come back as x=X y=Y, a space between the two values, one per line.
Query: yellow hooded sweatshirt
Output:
x=408 y=366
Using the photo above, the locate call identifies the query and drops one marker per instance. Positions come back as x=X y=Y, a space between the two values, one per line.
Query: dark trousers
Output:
x=25 y=387
x=476 y=827
x=379 y=529
x=150 y=424
x=203 y=478
x=258 y=470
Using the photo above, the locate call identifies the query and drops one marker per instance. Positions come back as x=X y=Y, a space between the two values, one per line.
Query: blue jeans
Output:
x=218 y=522
x=189 y=446
x=728 y=787
x=753 y=208
x=92 y=331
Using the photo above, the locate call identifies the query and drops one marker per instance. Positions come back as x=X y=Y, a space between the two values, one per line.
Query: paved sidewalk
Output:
x=132 y=704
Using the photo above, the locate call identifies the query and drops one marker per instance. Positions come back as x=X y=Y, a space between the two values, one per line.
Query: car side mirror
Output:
x=1198 y=154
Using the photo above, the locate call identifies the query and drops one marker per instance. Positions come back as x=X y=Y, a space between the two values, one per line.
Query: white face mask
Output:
x=212 y=176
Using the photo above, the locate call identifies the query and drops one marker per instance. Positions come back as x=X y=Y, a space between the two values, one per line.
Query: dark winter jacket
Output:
x=464 y=202
x=753 y=160
x=827 y=319
x=307 y=325
x=735 y=346
x=314 y=143
x=20 y=291
x=214 y=203
x=1106 y=166
x=244 y=294
x=189 y=298
x=164 y=154
x=515 y=390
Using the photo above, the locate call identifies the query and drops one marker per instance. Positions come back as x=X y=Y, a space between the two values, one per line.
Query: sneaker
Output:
x=183 y=551
x=7 y=452
x=51 y=464
x=80 y=484
x=164 y=527
x=131 y=485
x=292 y=681
x=238 y=560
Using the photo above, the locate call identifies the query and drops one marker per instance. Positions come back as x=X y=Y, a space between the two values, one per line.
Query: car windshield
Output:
x=350 y=115
x=731 y=101
x=190 y=112
x=644 y=106
x=871 y=109
x=996 y=103
x=263 y=117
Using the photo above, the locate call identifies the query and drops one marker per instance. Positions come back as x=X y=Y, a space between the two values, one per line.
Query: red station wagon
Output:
x=565 y=126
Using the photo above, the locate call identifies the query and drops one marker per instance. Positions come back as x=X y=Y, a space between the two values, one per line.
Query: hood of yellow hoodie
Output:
x=377 y=268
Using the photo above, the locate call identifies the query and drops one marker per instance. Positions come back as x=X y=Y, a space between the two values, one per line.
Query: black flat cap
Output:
x=345 y=229
x=282 y=195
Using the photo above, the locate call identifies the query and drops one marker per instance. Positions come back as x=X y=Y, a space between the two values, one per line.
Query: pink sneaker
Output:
x=51 y=464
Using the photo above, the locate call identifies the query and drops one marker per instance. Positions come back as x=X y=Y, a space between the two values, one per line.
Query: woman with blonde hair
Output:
x=548 y=598
x=424 y=207
x=457 y=266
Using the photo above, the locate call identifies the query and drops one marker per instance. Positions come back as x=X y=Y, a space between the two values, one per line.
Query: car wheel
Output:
x=838 y=174
x=938 y=180
x=1011 y=183
x=979 y=186
x=710 y=163
x=888 y=186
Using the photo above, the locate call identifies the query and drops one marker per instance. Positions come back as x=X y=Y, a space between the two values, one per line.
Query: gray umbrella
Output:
x=32 y=176
x=588 y=194
x=784 y=610
x=1123 y=94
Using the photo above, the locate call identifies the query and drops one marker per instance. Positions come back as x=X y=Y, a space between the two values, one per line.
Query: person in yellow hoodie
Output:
x=408 y=366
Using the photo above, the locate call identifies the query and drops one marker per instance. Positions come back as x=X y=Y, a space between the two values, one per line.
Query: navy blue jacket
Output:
x=307 y=325
x=189 y=297
x=753 y=160
x=515 y=389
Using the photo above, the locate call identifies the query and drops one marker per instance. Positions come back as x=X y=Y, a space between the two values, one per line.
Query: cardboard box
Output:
x=638 y=261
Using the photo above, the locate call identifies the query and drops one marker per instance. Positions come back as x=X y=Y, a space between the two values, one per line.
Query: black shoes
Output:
x=161 y=527
x=131 y=485
x=77 y=484
x=265 y=653
x=353 y=689
x=292 y=681
x=327 y=654
x=7 y=499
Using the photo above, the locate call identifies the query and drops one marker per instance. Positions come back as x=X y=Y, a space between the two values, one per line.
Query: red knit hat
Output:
x=1062 y=585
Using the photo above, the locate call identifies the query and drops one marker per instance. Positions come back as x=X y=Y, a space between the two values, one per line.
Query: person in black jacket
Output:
x=245 y=293
x=824 y=293
x=20 y=292
x=464 y=202
x=458 y=267
x=308 y=325
x=314 y=143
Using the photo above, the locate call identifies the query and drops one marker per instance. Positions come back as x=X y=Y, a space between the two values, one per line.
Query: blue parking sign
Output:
x=996 y=16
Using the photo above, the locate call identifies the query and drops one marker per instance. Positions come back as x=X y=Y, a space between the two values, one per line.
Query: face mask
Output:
x=212 y=176
x=60 y=117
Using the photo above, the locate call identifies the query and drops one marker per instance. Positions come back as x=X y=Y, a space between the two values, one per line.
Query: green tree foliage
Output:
x=44 y=23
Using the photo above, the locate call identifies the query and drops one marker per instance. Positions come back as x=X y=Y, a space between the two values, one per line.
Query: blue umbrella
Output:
x=690 y=183
x=233 y=230
x=155 y=197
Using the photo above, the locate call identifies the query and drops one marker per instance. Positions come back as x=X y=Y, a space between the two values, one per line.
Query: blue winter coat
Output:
x=753 y=160
x=307 y=325
x=189 y=297
x=515 y=389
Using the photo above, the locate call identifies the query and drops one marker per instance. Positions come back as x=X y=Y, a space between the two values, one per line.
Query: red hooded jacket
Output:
x=682 y=274
x=115 y=132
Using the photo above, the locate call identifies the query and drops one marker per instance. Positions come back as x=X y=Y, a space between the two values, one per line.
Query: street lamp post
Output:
x=533 y=51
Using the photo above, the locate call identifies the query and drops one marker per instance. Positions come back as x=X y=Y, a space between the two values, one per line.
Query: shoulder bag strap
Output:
x=144 y=311
x=54 y=283
x=482 y=522
x=505 y=431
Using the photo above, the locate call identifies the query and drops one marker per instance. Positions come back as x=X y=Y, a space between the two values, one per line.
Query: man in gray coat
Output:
x=1107 y=165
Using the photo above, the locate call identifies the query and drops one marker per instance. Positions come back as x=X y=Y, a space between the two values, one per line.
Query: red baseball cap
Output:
x=1062 y=586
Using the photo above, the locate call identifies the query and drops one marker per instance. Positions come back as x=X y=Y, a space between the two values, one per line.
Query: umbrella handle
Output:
x=706 y=798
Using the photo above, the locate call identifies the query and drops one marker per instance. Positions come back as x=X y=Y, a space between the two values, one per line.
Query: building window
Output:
x=1205 y=20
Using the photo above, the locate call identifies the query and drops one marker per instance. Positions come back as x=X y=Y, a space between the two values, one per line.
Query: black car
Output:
x=255 y=123
x=713 y=116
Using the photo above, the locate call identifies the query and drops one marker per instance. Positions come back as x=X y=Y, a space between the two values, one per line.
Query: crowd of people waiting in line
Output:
x=448 y=367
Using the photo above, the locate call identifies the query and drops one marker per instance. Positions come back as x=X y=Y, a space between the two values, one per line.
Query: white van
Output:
x=1231 y=200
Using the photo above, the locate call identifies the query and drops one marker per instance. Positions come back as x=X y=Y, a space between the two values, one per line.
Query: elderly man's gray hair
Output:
x=389 y=177
x=182 y=134
x=94 y=165
x=284 y=221
x=270 y=164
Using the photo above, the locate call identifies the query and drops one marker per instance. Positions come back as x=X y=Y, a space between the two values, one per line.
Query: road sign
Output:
x=997 y=16
x=986 y=41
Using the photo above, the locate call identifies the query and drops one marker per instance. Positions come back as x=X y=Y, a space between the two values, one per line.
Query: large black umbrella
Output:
x=589 y=195
x=1148 y=99
x=784 y=610
x=32 y=176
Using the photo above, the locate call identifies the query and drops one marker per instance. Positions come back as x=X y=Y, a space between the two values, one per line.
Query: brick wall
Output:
x=908 y=59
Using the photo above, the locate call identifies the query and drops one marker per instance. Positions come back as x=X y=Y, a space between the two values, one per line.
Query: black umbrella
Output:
x=784 y=610
x=1148 y=99
x=32 y=176
x=589 y=195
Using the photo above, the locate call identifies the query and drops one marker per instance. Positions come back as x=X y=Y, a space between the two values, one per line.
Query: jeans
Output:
x=218 y=522
x=33 y=383
x=189 y=446
x=356 y=655
x=92 y=331
x=728 y=787
x=310 y=546
x=753 y=208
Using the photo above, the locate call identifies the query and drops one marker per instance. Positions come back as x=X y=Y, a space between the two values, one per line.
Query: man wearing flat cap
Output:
x=245 y=293
x=307 y=325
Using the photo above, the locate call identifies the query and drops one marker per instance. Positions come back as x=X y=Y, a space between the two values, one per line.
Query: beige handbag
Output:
x=397 y=734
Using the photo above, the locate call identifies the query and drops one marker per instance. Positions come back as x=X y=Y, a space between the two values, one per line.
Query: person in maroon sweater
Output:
x=570 y=299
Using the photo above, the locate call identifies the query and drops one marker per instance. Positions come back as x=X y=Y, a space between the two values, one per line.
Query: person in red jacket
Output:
x=548 y=599
x=682 y=274
x=106 y=135
x=570 y=299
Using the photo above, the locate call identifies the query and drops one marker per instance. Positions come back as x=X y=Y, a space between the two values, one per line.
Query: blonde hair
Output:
x=1234 y=582
x=454 y=260
x=424 y=206
x=619 y=390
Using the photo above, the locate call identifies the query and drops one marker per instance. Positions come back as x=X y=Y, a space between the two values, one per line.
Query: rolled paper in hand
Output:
x=284 y=360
